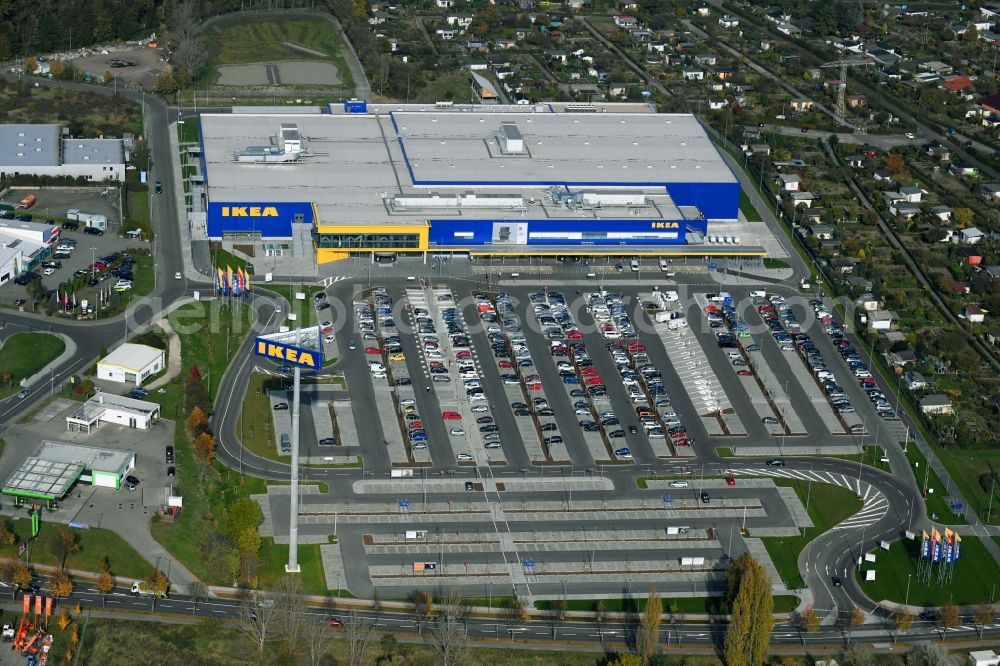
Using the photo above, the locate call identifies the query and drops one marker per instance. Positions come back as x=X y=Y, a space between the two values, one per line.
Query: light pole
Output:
x=906 y=601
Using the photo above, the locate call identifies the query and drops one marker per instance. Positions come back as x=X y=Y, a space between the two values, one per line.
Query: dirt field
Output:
x=291 y=73
x=56 y=201
x=147 y=65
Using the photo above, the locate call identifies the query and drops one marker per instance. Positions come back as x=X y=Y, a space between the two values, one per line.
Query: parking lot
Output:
x=55 y=201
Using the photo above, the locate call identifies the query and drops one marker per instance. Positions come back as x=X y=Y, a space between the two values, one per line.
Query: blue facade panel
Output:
x=270 y=220
x=456 y=232
x=716 y=201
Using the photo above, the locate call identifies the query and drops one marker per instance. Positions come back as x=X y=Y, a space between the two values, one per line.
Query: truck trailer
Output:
x=90 y=220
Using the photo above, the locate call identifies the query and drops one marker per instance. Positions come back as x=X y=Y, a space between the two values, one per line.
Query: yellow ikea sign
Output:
x=665 y=225
x=277 y=351
x=249 y=211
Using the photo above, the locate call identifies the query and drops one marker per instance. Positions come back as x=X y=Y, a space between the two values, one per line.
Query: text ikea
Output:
x=280 y=352
x=249 y=211
x=665 y=225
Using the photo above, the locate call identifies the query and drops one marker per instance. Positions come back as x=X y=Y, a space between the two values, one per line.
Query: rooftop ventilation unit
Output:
x=510 y=140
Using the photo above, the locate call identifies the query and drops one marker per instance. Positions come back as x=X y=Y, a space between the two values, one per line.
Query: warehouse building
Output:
x=52 y=471
x=131 y=364
x=407 y=178
x=47 y=150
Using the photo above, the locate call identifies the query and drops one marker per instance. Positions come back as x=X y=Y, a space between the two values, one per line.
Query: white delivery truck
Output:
x=90 y=220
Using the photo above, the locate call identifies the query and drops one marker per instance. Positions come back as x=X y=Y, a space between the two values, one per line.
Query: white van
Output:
x=664 y=265
x=634 y=265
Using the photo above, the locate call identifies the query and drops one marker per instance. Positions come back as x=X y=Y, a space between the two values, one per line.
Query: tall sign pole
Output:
x=293 y=524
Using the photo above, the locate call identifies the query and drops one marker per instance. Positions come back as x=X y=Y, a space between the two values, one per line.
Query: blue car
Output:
x=419 y=437
x=623 y=453
x=526 y=363
x=570 y=379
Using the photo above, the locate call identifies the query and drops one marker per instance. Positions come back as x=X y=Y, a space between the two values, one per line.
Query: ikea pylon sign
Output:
x=288 y=354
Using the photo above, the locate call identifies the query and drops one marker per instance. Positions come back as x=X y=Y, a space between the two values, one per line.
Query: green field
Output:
x=24 y=354
x=95 y=546
x=973 y=581
x=242 y=41
x=748 y=209
x=448 y=86
x=937 y=506
x=828 y=505
x=965 y=468
x=256 y=428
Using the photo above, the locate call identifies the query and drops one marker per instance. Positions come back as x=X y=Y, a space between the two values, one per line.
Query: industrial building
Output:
x=23 y=245
x=131 y=364
x=48 y=150
x=110 y=408
x=407 y=178
x=52 y=470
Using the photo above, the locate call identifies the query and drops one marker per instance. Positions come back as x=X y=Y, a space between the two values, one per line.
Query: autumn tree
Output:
x=30 y=65
x=21 y=575
x=7 y=537
x=204 y=451
x=514 y=614
x=108 y=76
x=808 y=622
x=195 y=393
x=626 y=659
x=853 y=620
x=105 y=583
x=447 y=633
x=57 y=68
x=982 y=615
x=156 y=583
x=197 y=422
x=648 y=634
x=948 y=617
x=63 y=545
x=900 y=623
x=895 y=164
x=963 y=217
x=63 y=619
x=422 y=605
x=749 y=633
x=62 y=586
x=165 y=84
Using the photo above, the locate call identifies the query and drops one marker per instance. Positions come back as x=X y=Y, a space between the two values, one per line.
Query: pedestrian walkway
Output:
x=45 y=374
x=757 y=550
x=173 y=356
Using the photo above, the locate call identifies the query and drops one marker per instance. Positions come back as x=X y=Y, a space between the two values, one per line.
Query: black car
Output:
x=837 y=582
x=70 y=226
x=403 y=381
x=132 y=479
x=93 y=231
x=327 y=441
x=138 y=393
x=776 y=462
x=170 y=454
x=632 y=429
x=171 y=471
x=469 y=485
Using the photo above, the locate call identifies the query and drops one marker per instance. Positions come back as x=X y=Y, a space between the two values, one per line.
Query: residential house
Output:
x=503 y=72
x=990 y=191
x=626 y=21
x=962 y=169
x=446 y=33
x=914 y=381
x=936 y=404
x=912 y=194
x=803 y=199
x=802 y=104
x=728 y=21
x=974 y=314
x=956 y=84
x=969 y=256
x=706 y=59
x=904 y=209
x=942 y=213
x=445 y=4
x=789 y=182
x=822 y=231
x=882 y=176
x=869 y=302
x=693 y=74
x=991 y=104
x=881 y=320
x=971 y=236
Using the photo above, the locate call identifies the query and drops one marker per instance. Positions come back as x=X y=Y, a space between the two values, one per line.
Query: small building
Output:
x=974 y=314
x=969 y=256
x=942 y=213
x=803 y=199
x=131 y=364
x=822 y=231
x=984 y=657
x=869 y=303
x=109 y=408
x=914 y=381
x=936 y=404
x=802 y=104
x=972 y=235
x=882 y=176
x=912 y=194
x=55 y=467
x=881 y=320
x=956 y=84
x=990 y=191
x=789 y=182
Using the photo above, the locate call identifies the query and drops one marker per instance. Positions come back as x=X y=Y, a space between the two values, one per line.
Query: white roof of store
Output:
x=29 y=145
x=93 y=151
x=132 y=356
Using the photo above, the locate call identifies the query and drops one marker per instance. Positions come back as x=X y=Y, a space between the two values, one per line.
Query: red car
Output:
x=574 y=334
x=678 y=435
x=333 y=622
x=505 y=365
x=595 y=381
x=535 y=387
x=744 y=373
x=464 y=354
x=372 y=350
x=682 y=442
x=589 y=371
x=451 y=416
x=636 y=347
x=730 y=481
x=416 y=425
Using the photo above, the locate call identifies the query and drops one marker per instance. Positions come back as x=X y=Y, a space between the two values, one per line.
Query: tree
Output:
x=190 y=53
x=105 y=583
x=558 y=611
x=21 y=575
x=982 y=615
x=318 y=643
x=63 y=619
x=195 y=393
x=423 y=608
x=648 y=635
x=963 y=217
x=197 y=422
x=165 y=83
x=626 y=660
x=62 y=586
x=514 y=614
x=358 y=631
x=858 y=655
x=749 y=633
x=948 y=617
x=895 y=164
x=7 y=537
x=447 y=635
x=30 y=65
x=108 y=76
x=291 y=612
x=600 y=616
x=855 y=619
x=204 y=451
x=198 y=592
x=57 y=68
x=808 y=622
x=63 y=545
x=255 y=622
x=927 y=654
x=156 y=583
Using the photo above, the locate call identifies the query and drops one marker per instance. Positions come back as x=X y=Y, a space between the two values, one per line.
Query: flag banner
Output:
x=949 y=553
x=219 y=279
x=925 y=546
x=948 y=535
x=229 y=278
x=957 y=547
x=936 y=552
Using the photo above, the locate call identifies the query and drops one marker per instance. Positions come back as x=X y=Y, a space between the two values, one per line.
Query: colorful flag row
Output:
x=938 y=548
x=232 y=282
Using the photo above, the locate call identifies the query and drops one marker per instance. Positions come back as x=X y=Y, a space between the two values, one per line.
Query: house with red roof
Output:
x=956 y=84
x=991 y=104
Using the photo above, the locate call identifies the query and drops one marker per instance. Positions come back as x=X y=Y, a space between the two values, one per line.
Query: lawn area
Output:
x=748 y=209
x=303 y=309
x=222 y=259
x=95 y=545
x=138 y=214
x=965 y=468
x=24 y=354
x=771 y=262
x=713 y=605
x=973 y=581
x=936 y=492
x=447 y=86
x=828 y=505
x=190 y=131
x=257 y=422
x=274 y=557
x=872 y=457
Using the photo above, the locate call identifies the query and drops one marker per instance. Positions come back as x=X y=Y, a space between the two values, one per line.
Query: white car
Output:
x=678 y=484
x=328 y=339
x=177 y=275
x=909 y=135
x=456 y=432
x=48 y=271
x=464 y=457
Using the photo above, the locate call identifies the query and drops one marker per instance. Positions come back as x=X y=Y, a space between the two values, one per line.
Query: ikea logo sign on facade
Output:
x=665 y=225
x=249 y=211
x=277 y=351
